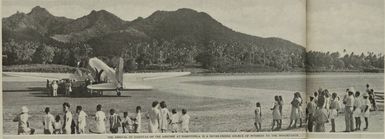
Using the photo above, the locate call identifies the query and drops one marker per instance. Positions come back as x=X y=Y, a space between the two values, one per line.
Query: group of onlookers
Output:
x=295 y=115
x=160 y=120
x=55 y=86
x=324 y=106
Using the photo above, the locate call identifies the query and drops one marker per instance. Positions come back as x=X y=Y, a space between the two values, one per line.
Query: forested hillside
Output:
x=162 y=41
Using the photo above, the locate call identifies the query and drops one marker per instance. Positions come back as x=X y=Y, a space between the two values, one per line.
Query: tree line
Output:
x=163 y=55
x=349 y=61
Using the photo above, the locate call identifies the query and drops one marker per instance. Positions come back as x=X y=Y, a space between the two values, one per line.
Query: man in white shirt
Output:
x=349 y=111
x=100 y=118
x=67 y=118
x=48 y=120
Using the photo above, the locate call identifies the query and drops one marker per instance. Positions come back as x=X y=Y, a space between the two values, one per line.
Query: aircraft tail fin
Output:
x=119 y=71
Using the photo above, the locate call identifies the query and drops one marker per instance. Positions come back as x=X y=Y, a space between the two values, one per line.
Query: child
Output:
x=82 y=118
x=174 y=121
x=334 y=106
x=23 y=125
x=258 y=117
x=276 y=114
x=127 y=124
x=114 y=121
x=138 y=119
x=164 y=116
x=320 y=115
x=48 y=120
x=366 y=110
x=185 y=120
x=57 y=125
x=357 y=110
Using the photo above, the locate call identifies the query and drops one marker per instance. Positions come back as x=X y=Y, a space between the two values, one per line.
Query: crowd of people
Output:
x=321 y=108
x=295 y=115
x=57 y=86
x=355 y=105
x=161 y=120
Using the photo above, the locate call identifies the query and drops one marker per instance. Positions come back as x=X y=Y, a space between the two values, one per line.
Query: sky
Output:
x=265 y=18
x=354 y=25
x=331 y=25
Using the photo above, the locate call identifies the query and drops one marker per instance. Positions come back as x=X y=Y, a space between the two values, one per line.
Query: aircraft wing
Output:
x=43 y=76
x=26 y=76
x=112 y=87
x=152 y=76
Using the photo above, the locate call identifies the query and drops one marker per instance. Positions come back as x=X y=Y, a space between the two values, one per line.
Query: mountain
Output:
x=186 y=26
x=34 y=25
x=183 y=36
x=95 y=24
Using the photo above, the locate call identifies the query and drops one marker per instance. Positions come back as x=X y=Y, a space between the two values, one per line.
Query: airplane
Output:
x=105 y=77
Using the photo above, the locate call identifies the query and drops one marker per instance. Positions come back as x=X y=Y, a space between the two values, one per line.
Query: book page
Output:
x=154 y=69
x=345 y=65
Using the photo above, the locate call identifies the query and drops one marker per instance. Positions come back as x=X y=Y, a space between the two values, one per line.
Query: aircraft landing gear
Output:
x=118 y=93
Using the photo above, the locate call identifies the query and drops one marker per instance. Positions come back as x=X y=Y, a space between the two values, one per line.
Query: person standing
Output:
x=174 y=121
x=114 y=121
x=100 y=118
x=138 y=119
x=300 y=112
x=67 y=118
x=48 y=121
x=23 y=124
x=258 y=117
x=55 y=86
x=82 y=120
x=57 y=125
x=310 y=109
x=357 y=110
x=276 y=114
x=366 y=110
x=294 y=116
x=349 y=101
x=164 y=117
x=334 y=107
x=185 y=121
x=154 y=116
x=127 y=123
x=281 y=103
x=320 y=116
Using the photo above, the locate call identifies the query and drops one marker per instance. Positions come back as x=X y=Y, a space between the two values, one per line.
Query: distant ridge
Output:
x=174 y=37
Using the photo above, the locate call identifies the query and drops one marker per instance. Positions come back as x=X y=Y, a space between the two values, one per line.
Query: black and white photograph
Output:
x=185 y=67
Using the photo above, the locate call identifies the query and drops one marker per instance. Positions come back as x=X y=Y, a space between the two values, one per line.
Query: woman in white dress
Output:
x=164 y=117
x=154 y=116
x=276 y=114
x=294 y=116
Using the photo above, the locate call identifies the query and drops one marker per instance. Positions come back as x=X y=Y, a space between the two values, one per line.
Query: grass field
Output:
x=215 y=103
